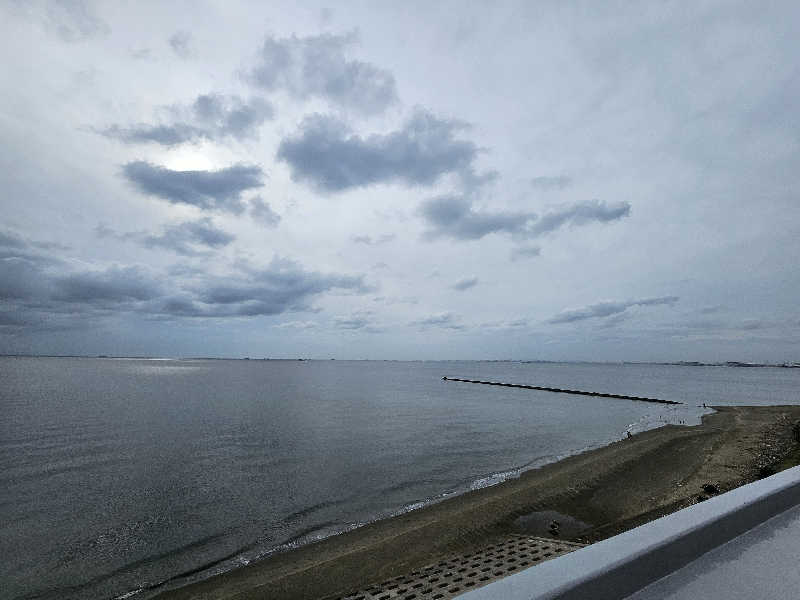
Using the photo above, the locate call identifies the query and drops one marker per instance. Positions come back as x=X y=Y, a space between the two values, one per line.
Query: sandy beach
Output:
x=598 y=493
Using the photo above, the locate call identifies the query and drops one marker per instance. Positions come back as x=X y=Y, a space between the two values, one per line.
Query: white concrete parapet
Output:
x=621 y=565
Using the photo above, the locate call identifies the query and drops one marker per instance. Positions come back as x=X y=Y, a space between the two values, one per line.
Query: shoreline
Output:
x=610 y=489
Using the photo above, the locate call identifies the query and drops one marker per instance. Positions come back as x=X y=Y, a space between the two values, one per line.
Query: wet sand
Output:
x=605 y=491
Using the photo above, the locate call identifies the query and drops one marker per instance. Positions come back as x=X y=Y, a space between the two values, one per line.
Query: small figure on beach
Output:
x=554 y=525
x=630 y=435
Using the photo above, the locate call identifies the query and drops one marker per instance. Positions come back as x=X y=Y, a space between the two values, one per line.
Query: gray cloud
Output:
x=281 y=287
x=557 y=182
x=22 y=264
x=42 y=294
x=445 y=320
x=20 y=278
x=505 y=325
x=464 y=284
x=297 y=325
x=209 y=117
x=453 y=216
x=396 y=300
x=709 y=310
x=14 y=245
x=73 y=20
x=37 y=296
x=370 y=241
x=261 y=211
x=750 y=324
x=352 y=322
x=181 y=44
x=185 y=237
x=9 y=239
x=115 y=284
x=329 y=157
x=523 y=252
x=166 y=135
x=580 y=214
x=318 y=67
x=188 y=238
x=607 y=309
x=207 y=190
x=141 y=54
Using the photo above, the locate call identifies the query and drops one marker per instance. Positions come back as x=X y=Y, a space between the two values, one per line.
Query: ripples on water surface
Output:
x=117 y=475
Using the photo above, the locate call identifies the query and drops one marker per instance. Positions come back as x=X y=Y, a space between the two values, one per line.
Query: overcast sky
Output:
x=532 y=180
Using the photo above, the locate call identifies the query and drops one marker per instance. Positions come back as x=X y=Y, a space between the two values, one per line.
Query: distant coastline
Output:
x=682 y=363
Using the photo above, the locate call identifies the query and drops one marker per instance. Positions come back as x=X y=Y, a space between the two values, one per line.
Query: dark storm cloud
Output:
x=325 y=154
x=262 y=212
x=607 y=309
x=557 y=182
x=318 y=67
x=465 y=284
x=209 y=117
x=209 y=190
x=184 y=238
x=454 y=217
x=181 y=44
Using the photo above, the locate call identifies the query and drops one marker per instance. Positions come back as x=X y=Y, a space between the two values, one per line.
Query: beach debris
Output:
x=711 y=488
x=702 y=498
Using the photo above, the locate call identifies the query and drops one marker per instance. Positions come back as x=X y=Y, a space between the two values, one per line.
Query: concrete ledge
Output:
x=619 y=566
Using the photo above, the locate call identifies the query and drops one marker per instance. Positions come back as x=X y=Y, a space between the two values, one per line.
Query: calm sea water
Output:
x=126 y=475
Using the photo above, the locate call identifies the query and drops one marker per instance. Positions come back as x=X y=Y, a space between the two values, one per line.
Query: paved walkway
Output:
x=464 y=572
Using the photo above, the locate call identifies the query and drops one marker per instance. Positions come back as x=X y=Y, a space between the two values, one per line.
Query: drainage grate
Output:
x=465 y=572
